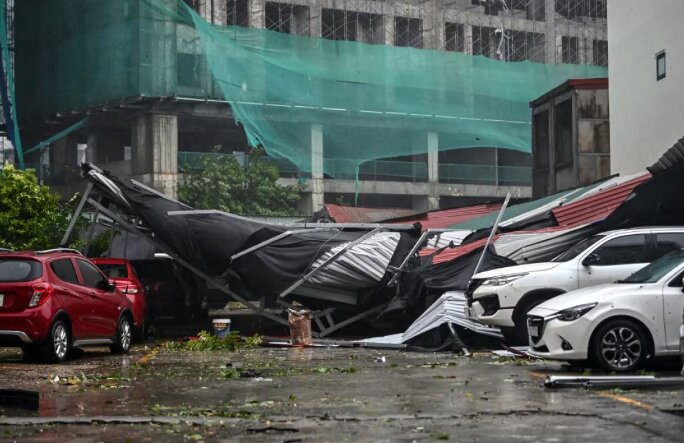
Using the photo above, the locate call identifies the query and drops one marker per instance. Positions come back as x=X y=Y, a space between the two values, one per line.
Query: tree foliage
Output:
x=221 y=183
x=31 y=216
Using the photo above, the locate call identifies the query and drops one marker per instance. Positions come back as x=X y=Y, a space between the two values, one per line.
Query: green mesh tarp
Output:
x=366 y=101
x=9 y=110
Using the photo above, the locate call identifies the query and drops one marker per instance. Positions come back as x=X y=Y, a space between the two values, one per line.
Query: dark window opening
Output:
x=113 y=270
x=570 y=49
x=660 y=65
x=629 y=249
x=288 y=19
x=600 y=53
x=454 y=37
x=562 y=133
x=92 y=277
x=408 y=32
x=237 y=13
x=337 y=24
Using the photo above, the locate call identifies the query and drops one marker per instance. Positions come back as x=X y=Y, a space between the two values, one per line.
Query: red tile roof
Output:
x=358 y=214
x=448 y=217
x=598 y=206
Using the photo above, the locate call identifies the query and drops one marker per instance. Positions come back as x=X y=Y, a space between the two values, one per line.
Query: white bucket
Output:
x=221 y=327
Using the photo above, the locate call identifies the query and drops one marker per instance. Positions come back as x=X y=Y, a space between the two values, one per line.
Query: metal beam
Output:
x=272 y=240
x=492 y=232
x=415 y=247
x=327 y=262
x=77 y=214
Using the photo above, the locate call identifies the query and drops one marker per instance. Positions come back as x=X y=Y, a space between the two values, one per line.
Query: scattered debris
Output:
x=205 y=341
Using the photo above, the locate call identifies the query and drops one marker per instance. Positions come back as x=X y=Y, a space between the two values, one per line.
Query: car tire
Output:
x=124 y=335
x=620 y=345
x=520 y=336
x=58 y=344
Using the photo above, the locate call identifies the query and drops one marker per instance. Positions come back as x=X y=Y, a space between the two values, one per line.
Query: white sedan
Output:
x=616 y=326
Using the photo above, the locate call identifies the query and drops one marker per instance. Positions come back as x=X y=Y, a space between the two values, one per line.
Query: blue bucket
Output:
x=221 y=327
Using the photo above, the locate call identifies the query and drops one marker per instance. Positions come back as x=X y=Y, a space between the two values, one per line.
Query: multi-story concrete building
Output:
x=148 y=122
x=646 y=77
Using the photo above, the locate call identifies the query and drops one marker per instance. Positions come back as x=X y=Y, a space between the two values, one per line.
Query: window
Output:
x=337 y=24
x=660 y=65
x=113 y=270
x=408 y=32
x=666 y=243
x=562 y=133
x=454 y=37
x=623 y=250
x=64 y=270
x=286 y=18
x=91 y=276
x=19 y=270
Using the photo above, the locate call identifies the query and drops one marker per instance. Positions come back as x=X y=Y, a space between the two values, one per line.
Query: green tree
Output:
x=220 y=183
x=31 y=216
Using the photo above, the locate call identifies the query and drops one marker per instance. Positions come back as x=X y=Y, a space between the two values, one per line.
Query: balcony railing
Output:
x=386 y=170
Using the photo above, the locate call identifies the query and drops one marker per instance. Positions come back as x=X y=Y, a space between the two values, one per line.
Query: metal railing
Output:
x=384 y=170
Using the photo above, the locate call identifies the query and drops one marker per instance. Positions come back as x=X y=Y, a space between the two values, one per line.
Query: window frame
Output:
x=646 y=244
x=83 y=282
x=661 y=55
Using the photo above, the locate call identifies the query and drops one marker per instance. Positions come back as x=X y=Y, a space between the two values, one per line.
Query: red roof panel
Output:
x=448 y=217
x=598 y=206
x=357 y=214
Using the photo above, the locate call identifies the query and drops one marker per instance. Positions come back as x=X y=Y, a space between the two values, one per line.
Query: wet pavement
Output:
x=322 y=394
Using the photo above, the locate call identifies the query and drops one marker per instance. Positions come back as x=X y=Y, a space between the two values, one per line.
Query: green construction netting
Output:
x=365 y=101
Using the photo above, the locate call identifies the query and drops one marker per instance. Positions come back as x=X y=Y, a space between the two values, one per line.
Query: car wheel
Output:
x=620 y=345
x=56 y=348
x=124 y=333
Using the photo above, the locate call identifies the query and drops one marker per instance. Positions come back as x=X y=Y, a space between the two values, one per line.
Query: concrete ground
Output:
x=322 y=394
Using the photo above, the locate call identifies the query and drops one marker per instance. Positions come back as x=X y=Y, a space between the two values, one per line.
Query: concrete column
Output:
x=257 y=14
x=433 y=27
x=317 y=190
x=389 y=29
x=315 y=17
x=219 y=14
x=63 y=157
x=155 y=151
x=468 y=37
x=433 y=170
x=550 y=32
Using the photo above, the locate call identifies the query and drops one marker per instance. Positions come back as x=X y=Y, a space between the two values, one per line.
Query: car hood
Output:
x=593 y=294
x=520 y=269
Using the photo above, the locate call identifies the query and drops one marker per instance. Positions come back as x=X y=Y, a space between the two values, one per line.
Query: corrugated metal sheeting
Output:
x=358 y=214
x=672 y=157
x=362 y=266
x=599 y=205
x=448 y=217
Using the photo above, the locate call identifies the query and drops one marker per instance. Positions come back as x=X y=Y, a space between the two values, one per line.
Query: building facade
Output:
x=148 y=123
x=646 y=76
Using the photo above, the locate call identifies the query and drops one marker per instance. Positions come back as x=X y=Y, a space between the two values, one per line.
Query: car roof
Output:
x=644 y=230
x=49 y=253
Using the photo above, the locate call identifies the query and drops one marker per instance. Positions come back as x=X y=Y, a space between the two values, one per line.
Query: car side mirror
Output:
x=105 y=285
x=592 y=260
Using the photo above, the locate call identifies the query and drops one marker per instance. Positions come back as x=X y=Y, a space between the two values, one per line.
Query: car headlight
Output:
x=503 y=280
x=572 y=314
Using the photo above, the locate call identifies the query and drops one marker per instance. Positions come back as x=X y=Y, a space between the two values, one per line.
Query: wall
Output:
x=647 y=116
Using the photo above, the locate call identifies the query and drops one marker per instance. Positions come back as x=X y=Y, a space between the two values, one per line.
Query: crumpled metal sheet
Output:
x=449 y=308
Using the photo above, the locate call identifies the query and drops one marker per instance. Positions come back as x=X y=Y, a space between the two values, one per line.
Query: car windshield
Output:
x=19 y=270
x=656 y=270
x=577 y=249
x=112 y=270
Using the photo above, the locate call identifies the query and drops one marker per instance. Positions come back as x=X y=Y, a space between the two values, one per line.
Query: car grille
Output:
x=535 y=322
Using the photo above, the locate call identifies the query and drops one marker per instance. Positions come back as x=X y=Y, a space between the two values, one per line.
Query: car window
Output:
x=623 y=250
x=64 y=270
x=668 y=242
x=577 y=249
x=112 y=270
x=91 y=275
x=677 y=281
x=19 y=270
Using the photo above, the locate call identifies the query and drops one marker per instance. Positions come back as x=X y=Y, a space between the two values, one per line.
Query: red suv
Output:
x=51 y=301
x=121 y=272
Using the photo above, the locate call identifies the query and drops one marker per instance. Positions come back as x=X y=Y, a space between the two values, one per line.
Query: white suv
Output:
x=503 y=297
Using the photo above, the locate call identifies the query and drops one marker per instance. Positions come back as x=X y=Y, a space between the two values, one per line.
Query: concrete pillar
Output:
x=155 y=151
x=317 y=190
x=433 y=27
x=257 y=13
x=468 y=37
x=315 y=17
x=389 y=29
x=219 y=14
x=64 y=160
x=550 y=32
x=433 y=170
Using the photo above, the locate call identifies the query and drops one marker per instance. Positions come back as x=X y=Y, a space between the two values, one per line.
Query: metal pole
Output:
x=491 y=234
x=76 y=215
x=407 y=258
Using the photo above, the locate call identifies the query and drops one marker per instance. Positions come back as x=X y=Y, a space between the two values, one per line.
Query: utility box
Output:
x=570 y=136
